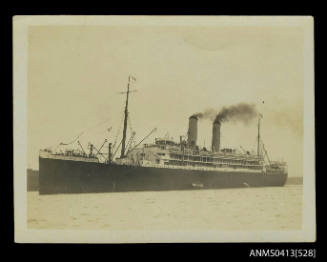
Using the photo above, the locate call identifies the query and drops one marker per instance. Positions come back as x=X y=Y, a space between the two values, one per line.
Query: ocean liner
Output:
x=162 y=165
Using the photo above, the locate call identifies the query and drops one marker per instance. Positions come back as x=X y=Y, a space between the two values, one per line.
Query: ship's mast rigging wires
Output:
x=266 y=153
x=261 y=147
x=117 y=134
x=81 y=134
x=259 y=139
x=114 y=154
x=130 y=142
x=69 y=143
x=130 y=123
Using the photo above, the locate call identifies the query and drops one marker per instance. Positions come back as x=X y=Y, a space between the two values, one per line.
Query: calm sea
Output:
x=269 y=208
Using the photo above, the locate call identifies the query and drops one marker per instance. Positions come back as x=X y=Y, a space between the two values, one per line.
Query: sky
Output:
x=75 y=74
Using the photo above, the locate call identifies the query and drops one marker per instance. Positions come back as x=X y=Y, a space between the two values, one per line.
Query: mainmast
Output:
x=125 y=118
x=258 y=145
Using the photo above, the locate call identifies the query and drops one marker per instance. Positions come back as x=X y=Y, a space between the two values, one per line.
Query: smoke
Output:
x=242 y=112
x=207 y=114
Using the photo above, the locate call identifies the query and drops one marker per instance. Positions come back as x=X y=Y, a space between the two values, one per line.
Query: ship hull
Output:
x=68 y=176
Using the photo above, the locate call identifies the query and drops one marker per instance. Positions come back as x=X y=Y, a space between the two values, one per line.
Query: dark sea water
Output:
x=266 y=208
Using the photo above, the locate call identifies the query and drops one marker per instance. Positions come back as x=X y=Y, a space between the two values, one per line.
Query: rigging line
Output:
x=118 y=131
x=66 y=144
x=266 y=153
x=130 y=123
x=85 y=130
x=117 y=148
x=130 y=141
x=97 y=124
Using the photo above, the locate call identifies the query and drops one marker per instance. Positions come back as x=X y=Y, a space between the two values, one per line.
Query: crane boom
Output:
x=81 y=146
x=105 y=141
x=99 y=152
x=152 y=131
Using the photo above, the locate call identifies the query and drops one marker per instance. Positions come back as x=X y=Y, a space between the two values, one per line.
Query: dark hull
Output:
x=66 y=176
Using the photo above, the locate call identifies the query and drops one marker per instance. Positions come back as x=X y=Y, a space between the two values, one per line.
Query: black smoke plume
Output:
x=242 y=112
x=207 y=114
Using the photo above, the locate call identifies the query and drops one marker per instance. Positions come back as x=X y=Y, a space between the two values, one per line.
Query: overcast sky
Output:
x=75 y=74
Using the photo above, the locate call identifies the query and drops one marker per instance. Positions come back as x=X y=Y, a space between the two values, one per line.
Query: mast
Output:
x=258 y=142
x=125 y=118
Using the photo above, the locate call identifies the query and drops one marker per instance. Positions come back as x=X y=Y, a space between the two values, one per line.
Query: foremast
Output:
x=122 y=154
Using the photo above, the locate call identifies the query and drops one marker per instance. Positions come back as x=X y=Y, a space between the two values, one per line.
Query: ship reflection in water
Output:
x=270 y=208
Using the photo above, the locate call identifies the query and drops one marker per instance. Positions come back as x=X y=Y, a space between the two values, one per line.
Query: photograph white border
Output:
x=21 y=26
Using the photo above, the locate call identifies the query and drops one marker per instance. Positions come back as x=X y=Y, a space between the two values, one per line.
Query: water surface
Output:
x=268 y=208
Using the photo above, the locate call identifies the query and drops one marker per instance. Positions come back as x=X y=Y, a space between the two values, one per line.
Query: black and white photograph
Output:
x=141 y=129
